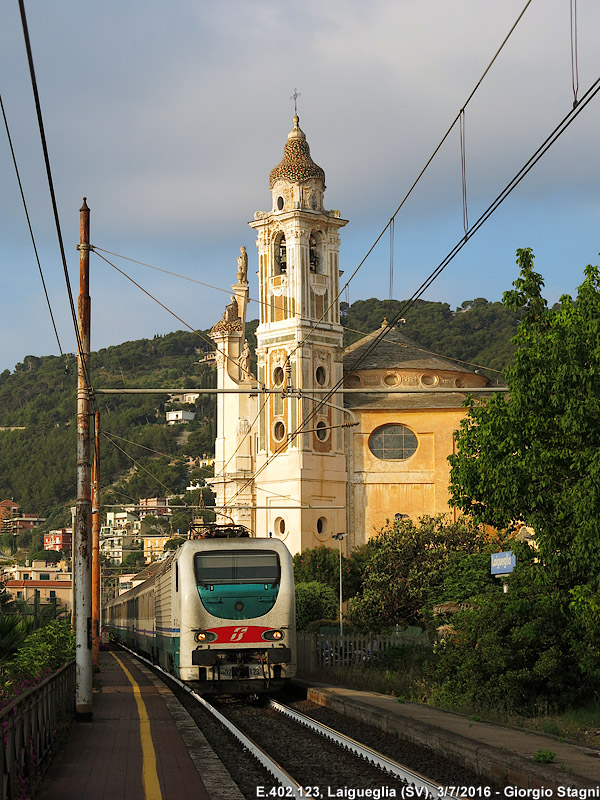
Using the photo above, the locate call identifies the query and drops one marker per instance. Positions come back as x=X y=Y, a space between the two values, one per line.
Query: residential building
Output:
x=60 y=539
x=52 y=581
x=154 y=547
x=180 y=417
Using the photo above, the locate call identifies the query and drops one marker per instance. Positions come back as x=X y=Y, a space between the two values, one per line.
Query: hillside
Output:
x=38 y=464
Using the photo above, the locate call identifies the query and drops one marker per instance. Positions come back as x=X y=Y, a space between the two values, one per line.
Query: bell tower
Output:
x=299 y=347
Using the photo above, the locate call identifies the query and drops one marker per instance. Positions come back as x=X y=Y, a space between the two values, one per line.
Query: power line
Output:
x=37 y=258
x=418 y=178
x=508 y=189
x=173 y=314
x=548 y=142
x=296 y=314
x=38 y=108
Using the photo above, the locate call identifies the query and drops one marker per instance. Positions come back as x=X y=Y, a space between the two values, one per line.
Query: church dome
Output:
x=296 y=166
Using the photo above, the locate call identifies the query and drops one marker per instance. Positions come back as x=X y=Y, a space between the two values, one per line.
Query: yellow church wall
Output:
x=416 y=486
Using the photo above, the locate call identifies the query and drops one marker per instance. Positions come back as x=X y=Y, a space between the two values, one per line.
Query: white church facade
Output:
x=296 y=457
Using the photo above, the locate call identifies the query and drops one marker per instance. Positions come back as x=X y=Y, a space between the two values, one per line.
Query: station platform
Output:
x=141 y=745
x=501 y=753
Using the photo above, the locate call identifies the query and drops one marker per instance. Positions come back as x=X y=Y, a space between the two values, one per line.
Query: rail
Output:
x=426 y=787
x=29 y=725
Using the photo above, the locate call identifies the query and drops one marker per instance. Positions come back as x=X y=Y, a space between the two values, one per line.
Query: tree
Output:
x=534 y=456
x=173 y=544
x=322 y=564
x=134 y=560
x=314 y=601
x=409 y=568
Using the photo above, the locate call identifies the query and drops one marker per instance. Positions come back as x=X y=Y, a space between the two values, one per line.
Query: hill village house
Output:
x=289 y=466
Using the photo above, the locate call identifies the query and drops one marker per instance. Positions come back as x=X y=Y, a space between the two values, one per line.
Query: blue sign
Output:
x=503 y=563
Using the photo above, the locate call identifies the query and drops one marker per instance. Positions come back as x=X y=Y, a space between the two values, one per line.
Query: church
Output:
x=323 y=441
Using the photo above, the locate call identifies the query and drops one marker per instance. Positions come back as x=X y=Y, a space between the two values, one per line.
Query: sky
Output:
x=168 y=117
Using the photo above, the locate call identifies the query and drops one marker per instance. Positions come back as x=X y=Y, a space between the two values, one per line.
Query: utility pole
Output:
x=82 y=573
x=96 y=545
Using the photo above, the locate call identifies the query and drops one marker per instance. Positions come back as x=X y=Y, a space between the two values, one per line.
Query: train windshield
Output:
x=240 y=584
x=242 y=566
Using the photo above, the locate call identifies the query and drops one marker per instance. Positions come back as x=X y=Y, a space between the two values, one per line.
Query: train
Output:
x=218 y=613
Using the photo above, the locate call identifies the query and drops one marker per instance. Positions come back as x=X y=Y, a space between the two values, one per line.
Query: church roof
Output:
x=296 y=166
x=404 y=401
x=392 y=351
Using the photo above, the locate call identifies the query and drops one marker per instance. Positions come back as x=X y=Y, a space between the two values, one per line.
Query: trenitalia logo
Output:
x=240 y=633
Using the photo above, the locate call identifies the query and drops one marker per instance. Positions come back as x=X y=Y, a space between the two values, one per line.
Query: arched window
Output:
x=393 y=443
x=281 y=255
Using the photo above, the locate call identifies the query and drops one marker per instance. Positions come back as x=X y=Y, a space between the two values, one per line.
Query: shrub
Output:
x=314 y=601
x=43 y=652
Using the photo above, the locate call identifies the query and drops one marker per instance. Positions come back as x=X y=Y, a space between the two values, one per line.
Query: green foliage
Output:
x=314 y=601
x=534 y=455
x=409 y=568
x=13 y=631
x=42 y=652
x=133 y=560
x=322 y=564
x=173 y=544
x=544 y=756
x=49 y=556
x=512 y=652
x=479 y=332
x=37 y=465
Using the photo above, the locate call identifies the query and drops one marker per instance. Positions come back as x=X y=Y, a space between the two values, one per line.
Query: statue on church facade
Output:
x=242 y=273
x=230 y=321
x=245 y=360
x=231 y=310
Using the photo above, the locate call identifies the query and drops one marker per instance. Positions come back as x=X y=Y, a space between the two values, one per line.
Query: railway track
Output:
x=324 y=762
x=281 y=753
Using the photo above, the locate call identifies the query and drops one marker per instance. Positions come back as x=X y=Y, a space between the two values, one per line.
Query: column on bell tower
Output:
x=300 y=460
x=235 y=442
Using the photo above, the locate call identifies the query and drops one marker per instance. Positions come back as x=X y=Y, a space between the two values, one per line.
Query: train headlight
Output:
x=205 y=636
x=273 y=636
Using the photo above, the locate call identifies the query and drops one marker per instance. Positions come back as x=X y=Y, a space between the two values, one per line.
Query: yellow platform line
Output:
x=149 y=773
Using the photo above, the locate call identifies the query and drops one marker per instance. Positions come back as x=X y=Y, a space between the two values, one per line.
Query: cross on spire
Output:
x=295 y=97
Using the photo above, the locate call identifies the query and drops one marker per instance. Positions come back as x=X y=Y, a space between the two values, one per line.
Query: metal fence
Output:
x=29 y=726
x=316 y=650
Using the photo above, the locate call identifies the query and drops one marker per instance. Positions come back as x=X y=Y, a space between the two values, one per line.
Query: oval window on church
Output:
x=321 y=375
x=278 y=376
x=279 y=431
x=393 y=443
x=322 y=430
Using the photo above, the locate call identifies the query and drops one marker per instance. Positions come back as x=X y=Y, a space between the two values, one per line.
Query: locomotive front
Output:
x=237 y=622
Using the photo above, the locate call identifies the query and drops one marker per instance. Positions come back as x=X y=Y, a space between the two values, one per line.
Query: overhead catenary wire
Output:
x=40 y=119
x=35 y=250
x=500 y=198
x=168 y=310
x=574 y=54
x=295 y=314
x=418 y=178
x=137 y=463
x=463 y=171
x=508 y=189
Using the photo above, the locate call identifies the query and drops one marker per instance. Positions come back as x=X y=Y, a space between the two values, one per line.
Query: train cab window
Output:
x=226 y=567
x=176 y=576
x=241 y=584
